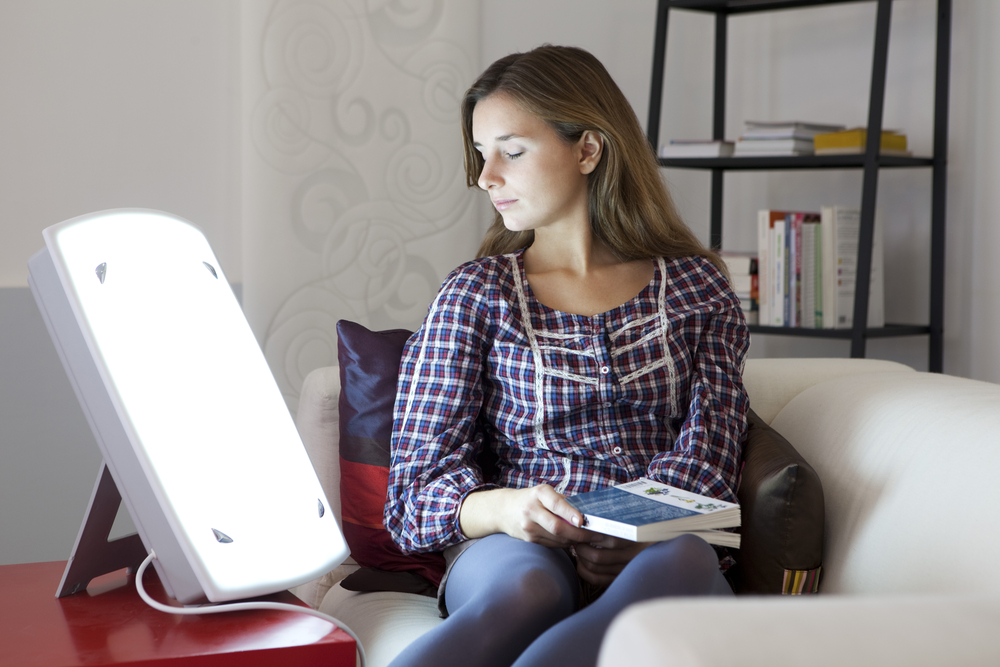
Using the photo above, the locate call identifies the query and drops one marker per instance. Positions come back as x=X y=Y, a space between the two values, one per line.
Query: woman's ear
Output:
x=590 y=147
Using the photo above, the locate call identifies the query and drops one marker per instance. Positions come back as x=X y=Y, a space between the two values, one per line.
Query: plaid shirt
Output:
x=651 y=388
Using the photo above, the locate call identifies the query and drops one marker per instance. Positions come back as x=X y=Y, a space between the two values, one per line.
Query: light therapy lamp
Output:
x=196 y=437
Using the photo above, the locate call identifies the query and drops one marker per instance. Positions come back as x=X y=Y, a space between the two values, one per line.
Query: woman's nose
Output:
x=489 y=176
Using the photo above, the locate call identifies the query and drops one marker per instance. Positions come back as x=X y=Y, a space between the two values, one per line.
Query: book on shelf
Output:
x=766 y=147
x=769 y=265
x=840 y=227
x=648 y=511
x=800 y=292
x=790 y=256
x=786 y=129
x=852 y=142
x=811 y=276
x=681 y=148
x=744 y=279
x=780 y=137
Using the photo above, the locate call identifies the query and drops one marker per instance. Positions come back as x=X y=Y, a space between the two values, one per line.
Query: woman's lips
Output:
x=503 y=204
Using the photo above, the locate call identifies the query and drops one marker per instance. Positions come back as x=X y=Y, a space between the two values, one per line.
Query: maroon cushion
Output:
x=369 y=367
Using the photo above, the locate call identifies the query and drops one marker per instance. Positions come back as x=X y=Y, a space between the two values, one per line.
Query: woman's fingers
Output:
x=545 y=517
x=603 y=559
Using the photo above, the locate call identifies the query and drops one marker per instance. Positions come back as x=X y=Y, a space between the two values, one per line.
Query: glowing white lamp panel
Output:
x=205 y=419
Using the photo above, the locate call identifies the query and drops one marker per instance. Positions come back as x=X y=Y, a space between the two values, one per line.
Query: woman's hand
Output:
x=537 y=514
x=603 y=557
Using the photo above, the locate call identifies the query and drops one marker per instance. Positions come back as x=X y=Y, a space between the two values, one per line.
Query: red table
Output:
x=109 y=624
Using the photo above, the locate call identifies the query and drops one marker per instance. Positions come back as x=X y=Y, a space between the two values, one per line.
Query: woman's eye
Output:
x=513 y=156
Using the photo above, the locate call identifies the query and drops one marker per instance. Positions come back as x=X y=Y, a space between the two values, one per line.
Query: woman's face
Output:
x=534 y=178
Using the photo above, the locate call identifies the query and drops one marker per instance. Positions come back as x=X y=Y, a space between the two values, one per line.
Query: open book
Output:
x=648 y=511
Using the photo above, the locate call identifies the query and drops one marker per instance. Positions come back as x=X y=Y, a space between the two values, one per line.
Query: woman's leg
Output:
x=502 y=593
x=686 y=565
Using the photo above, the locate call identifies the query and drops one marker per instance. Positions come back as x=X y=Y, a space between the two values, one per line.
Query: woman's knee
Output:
x=500 y=575
x=545 y=593
x=685 y=565
x=511 y=617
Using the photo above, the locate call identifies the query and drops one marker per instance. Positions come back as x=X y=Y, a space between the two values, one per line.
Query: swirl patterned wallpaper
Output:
x=354 y=201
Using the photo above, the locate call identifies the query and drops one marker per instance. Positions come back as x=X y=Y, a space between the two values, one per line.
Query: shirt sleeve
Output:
x=435 y=439
x=708 y=448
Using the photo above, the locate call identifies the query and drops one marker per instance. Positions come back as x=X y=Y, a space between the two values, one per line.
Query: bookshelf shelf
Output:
x=745 y=6
x=888 y=331
x=792 y=162
x=870 y=162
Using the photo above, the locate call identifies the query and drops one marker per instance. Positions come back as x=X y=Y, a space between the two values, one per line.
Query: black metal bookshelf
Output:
x=870 y=162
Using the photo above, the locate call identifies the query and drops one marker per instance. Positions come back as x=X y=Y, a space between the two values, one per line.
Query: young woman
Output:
x=593 y=342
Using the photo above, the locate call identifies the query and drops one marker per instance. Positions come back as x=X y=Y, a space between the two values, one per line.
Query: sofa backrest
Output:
x=318 y=421
x=909 y=464
x=772 y=383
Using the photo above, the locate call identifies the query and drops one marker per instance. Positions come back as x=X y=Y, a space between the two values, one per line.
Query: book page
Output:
x=669 y=495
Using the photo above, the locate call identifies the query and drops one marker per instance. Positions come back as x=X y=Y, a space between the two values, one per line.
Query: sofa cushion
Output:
x=386 y=622
x=782 y=515
x=369 y=367
x=772 y=383
x=909 y=465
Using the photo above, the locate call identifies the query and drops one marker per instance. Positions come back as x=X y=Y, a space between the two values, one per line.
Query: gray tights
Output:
x=512 y=602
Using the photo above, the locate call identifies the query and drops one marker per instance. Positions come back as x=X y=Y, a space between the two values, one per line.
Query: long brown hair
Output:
x=631 y=210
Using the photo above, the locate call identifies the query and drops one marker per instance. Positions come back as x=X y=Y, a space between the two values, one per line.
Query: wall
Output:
x=105 y=104
x=112 y=103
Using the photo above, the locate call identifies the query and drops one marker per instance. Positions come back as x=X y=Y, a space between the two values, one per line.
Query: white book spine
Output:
x=818 y=275
x=840 y=249
x=808 y=276
x=609 y=527
x=778 y=275
x=829 y=267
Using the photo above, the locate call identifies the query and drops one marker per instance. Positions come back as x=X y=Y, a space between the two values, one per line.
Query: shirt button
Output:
x=605 y=370
x=617 y=450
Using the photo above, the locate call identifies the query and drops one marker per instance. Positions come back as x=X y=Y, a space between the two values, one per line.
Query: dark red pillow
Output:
x=369 y=368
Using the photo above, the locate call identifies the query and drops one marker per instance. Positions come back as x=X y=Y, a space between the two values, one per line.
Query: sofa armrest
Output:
x=318 y=423
x=783 y=516
x=818 y=631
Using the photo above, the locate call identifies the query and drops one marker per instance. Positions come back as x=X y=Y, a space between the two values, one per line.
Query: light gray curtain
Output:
x=354 y=199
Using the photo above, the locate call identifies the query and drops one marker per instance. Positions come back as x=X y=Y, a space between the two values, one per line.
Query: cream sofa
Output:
x=904 y=515
x=910 y=465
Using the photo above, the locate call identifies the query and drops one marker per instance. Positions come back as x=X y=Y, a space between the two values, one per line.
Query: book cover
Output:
x=840 y=227
x=854 y=140
x=645 y=510
x=747 y=146
x=779 y=281
x=812 y=280
x=794 y=292
x=790 y=129
x=766 y=220
x=743 y=280
x=788 y=289
x=681 y=148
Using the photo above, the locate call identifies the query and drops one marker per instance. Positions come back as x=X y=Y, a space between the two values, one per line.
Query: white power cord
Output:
x=238 y=606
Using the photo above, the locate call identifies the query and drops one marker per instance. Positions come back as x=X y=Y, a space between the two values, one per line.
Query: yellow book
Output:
x=853 y=141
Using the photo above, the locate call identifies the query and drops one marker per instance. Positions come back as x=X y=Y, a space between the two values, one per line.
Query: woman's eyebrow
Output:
x=502 y=137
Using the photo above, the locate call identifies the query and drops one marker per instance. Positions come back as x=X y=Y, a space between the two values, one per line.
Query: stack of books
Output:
x=807 y=266
x=696 y=148
x=648 y=511
x=780 y=138
x=852 y=142
x=743 y=278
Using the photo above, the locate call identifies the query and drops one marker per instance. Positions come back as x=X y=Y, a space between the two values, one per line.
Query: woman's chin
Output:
x=515 y=225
